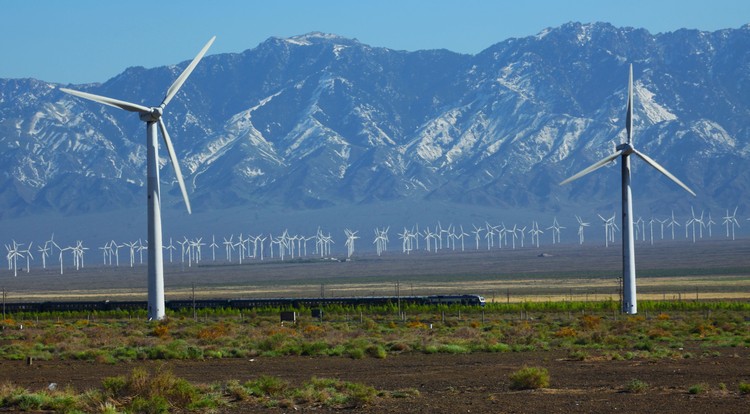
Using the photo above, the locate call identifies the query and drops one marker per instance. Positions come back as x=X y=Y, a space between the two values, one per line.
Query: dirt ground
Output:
x=473 y=383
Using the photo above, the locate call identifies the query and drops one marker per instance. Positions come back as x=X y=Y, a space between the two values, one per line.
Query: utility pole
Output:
x=195 y=314
x=398 y=296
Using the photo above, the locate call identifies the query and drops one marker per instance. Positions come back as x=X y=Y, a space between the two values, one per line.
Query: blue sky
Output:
x=81 y=41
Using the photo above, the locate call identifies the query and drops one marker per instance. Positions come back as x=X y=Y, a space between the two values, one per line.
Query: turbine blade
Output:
x=593 y=167
x=175 y=164
x=128 y=106
x=662 y=170
x=629 y=117
x=185 y=73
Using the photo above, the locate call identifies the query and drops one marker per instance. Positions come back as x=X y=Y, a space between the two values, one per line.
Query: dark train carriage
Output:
x=174 y=305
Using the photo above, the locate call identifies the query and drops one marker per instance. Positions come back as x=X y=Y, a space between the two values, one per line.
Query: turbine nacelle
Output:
x=153 y=116
x=625 y=149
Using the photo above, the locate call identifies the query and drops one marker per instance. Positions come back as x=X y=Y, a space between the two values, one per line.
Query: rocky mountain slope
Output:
x=320 y=121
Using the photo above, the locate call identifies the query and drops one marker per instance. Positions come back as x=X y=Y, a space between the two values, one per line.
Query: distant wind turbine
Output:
x=731 y=220
x=672 y=223
x=152 y=116
x=581 y=226
x=350 y=237
x=629 y=304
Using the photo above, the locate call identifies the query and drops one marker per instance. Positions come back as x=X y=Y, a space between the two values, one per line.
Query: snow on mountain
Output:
x=318 y=120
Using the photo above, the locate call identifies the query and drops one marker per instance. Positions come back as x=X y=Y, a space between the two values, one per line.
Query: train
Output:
x=176 y=305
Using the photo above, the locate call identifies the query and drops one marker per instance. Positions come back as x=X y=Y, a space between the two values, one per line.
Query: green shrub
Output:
x=578 y=355
x=698 y=389
x=453 y=349
x=355 y=353
x=376 y=351
x=499 y=347
x=31 y=402
x=744 y=388
x=636 y=386
x=153 y=405
x=335 y=393
x=267 y=386
x=114 y=386
x=313 y=348
x=529 y=378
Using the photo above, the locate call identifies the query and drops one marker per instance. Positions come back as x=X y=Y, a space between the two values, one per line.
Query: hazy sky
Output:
x=81 y=41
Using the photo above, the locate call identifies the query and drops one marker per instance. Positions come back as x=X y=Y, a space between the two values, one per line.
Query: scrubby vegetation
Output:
x=584 y=330
x=529 y=378
x=162 y=392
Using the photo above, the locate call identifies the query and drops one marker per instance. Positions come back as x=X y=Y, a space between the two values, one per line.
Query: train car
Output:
x=471 y=300
x=174 y=305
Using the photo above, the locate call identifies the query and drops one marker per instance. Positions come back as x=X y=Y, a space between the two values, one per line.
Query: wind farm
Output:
x=354 y=212
x=497 y=257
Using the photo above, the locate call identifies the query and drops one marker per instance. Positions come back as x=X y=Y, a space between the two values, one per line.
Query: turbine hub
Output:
x=152 y=116
x=626 y=148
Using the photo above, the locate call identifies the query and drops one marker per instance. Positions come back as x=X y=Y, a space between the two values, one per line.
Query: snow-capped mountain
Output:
x=319 y=121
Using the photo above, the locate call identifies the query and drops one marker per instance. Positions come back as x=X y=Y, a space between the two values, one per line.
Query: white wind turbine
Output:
x=62 y=250
x=213 y=247
x=477 y=234
x=13 y=254
x=692 y=222
x=731 y=220
x=710 y=223
x=522 y=231
x=28 y=256
x=629 y=304
x=535 y=232
x=556 y=227
x=185 y=250
x=513 y=235
x=229 y=246
x=152 y=116
x=581 y=226
x=44 y=252
x=463 y=234
x=116 y=251
x=661 y=226
x=607 y=229
x=132 y=247
x=672 y=223
x=428 y=235
x=651 y=229
x=638 y=230
x=105 y=253
x=170 y=248
x=350 y=237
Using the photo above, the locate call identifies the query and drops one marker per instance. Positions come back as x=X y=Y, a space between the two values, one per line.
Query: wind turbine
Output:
x=673 y=223
x=629 y=303
x=581 y=226
x=731 y=220
x=152 y=116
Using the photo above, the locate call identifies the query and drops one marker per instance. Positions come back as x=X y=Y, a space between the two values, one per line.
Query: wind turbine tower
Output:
x=623 y=151
x=152 y=116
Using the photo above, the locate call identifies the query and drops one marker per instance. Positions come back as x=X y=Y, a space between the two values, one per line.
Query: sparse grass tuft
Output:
x=698 y=389
x=636 y=386
x=529 y=378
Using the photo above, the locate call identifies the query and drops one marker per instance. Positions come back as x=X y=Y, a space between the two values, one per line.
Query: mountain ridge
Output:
x=320 y=121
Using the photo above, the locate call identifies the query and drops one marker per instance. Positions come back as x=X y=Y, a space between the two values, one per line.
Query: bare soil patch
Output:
x=459 y=383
